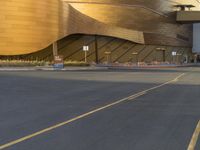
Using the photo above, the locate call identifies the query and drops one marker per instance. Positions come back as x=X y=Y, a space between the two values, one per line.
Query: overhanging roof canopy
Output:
x=188 y=16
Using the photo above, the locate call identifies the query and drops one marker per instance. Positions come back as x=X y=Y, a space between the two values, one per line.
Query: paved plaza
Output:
x=142 y=109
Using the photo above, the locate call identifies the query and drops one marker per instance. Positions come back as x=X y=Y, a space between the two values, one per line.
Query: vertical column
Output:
x=96 y=50
x=55 y=48
x=164 y=57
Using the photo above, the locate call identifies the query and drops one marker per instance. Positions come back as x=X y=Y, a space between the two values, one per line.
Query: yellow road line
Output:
x=194 y=139
x=132 y=97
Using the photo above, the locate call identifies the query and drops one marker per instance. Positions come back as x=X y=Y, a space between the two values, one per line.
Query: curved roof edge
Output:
x=28 y=31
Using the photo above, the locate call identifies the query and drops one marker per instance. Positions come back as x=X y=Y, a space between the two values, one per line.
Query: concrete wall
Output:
x=196 y=38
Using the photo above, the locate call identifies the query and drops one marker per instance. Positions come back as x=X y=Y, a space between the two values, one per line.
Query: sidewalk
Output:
x=50 y=68
x=123 y=66
x=97 y=67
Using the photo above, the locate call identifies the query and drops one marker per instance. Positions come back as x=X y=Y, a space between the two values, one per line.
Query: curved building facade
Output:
x=28 y=26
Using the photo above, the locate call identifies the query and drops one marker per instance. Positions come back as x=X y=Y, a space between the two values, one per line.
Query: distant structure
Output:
x=30 y=28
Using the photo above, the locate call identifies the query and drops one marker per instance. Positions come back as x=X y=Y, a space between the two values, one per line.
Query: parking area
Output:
x=142 y=109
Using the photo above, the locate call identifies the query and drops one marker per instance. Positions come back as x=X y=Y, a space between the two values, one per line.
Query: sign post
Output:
x=58 y=62
x=85 y=49
x=174 y=53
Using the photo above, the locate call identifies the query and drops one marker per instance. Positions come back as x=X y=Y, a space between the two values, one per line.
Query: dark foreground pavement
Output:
x=163 y=119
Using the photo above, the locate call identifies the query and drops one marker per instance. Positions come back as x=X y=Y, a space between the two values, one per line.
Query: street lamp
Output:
x=177 y=55
x=195 y=58
x=107 y=53
x=163 y=52
x=136 y=56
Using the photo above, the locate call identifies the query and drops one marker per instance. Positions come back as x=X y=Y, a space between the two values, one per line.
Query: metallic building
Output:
x=28 y=26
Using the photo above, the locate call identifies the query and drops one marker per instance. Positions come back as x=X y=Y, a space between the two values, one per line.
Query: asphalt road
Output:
x=162 y=118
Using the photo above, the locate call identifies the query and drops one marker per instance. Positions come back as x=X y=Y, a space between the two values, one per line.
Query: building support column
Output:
x=55 y=48
x=96 y=50
x=164 y=57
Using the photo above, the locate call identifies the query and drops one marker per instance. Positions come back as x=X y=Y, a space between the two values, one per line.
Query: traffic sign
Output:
x=58 y=62
x=174 y=53
x=85 y=48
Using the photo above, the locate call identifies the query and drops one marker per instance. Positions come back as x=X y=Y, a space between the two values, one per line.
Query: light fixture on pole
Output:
x=107 y=53
x=163 y=52
x=136 y=55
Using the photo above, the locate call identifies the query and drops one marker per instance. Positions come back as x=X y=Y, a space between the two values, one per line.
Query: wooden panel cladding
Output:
x=30 y=25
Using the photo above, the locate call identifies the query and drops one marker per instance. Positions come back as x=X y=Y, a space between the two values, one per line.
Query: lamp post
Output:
x=195 y=58
x=136 y=57
x=177 y=55
x=163 y=52
x=108 y=53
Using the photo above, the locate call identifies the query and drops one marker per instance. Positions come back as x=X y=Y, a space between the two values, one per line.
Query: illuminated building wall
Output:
x=28 y=25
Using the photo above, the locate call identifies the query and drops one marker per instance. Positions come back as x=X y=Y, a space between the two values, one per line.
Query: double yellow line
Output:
x=132 y=97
